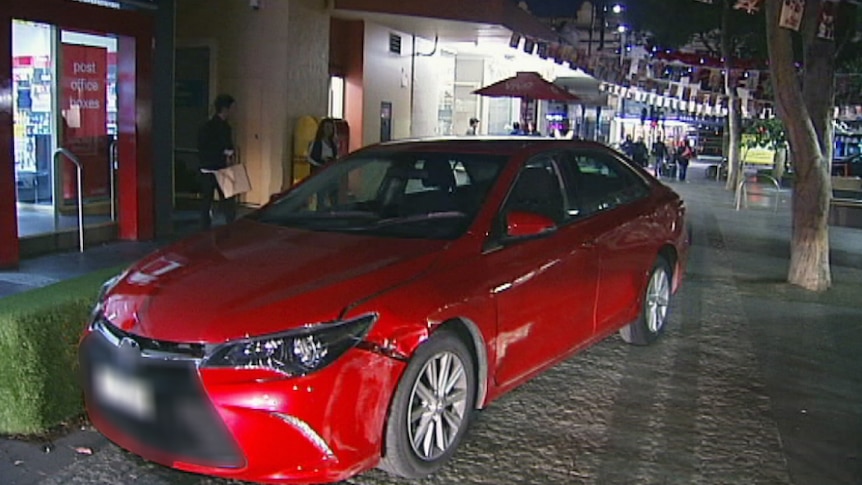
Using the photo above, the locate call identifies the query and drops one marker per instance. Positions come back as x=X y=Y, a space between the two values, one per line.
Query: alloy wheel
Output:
x=438 y=403
x=657 y=300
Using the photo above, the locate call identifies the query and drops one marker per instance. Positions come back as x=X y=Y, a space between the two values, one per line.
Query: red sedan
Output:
x=360 y=318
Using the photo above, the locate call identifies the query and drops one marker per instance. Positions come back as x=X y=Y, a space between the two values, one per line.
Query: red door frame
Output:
x=136 y=204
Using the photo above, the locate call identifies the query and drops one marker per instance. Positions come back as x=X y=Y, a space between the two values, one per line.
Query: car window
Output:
x=397 y=194
x=596 y=181
x=538 y=189
x=462 y=178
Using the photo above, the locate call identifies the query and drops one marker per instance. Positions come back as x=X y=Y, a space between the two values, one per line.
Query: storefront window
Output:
x=33 y=98
x=65 y=96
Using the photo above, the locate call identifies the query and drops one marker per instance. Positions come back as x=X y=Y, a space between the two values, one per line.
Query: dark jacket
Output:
x=659 y=149
x=214 y=138
x=683 y=155
x=627 y=147
x=639 y=153
x=316 y=152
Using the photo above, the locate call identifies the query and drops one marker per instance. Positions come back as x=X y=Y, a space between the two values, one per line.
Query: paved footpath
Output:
x=755 y=382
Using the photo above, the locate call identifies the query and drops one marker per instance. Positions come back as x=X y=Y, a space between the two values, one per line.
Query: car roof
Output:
x=484 y=144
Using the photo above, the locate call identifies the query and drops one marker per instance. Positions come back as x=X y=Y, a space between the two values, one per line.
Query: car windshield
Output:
x=391 y=194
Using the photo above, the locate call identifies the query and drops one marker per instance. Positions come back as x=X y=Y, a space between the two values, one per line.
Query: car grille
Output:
x=149 y=347
x=183 y=422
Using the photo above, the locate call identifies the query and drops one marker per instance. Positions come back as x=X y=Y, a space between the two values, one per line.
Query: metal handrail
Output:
x=742 y=191
x=79 y=171
x=112 y=160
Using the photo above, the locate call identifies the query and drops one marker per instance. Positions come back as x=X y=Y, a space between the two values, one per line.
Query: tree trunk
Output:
x=778 y=161
x=809 y=246
x=734 y=153
x=734 y=110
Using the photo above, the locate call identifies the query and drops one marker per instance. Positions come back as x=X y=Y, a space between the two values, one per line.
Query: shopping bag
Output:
x=233 y=180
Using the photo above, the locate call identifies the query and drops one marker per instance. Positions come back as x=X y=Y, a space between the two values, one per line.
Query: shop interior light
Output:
x=617 y=9
x=622 y=29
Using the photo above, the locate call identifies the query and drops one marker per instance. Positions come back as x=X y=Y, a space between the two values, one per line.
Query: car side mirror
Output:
x=521 y=224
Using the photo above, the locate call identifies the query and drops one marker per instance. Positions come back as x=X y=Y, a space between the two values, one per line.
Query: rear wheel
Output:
x=651 y=322
x=431 y=408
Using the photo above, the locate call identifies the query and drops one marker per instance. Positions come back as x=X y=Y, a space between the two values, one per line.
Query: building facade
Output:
x=122 y=87
x=80 y=87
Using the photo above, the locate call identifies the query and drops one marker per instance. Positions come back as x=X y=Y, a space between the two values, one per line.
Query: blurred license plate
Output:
x=124 y=393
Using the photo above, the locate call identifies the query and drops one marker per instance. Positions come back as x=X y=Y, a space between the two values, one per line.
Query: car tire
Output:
x=654 y=308
x=426 y=413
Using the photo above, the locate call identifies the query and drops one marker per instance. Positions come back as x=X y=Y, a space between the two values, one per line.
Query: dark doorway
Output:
x=385 y=121
x=191 y=110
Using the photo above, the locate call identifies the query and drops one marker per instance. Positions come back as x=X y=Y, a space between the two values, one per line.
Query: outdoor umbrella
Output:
x=529 y=86
x=526 y=85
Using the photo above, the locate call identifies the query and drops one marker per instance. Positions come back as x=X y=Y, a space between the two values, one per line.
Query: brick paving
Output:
x=755 y=382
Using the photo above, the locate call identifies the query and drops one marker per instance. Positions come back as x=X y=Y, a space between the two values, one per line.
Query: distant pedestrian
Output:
x=627 y=146
x=532 y=129
x=216 y=151
x=474 y=127
x=660 y=152
x=684 y=155
x=516 y=129
x=640 y=153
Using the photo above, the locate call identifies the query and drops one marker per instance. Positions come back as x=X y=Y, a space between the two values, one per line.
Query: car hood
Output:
x=249 y=279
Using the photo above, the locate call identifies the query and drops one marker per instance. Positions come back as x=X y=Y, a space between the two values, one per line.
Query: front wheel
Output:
x=431 y=408
x=649 y=325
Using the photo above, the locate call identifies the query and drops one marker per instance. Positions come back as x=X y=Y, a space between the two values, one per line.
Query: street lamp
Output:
x=617 y=9
x=622 y=31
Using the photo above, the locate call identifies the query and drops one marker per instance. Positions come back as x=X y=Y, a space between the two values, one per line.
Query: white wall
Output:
x=433 y=74
x=386 y=78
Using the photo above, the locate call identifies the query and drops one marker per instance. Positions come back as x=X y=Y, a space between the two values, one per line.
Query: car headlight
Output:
x=294 y=353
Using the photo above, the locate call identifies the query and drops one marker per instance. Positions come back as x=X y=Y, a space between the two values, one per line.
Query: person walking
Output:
x=684 y=155
x=474 y=127
x=516 y=129
x=640 y=153
x=216 y=151
x=660 y=152
x=324 y=148
x=627 y=146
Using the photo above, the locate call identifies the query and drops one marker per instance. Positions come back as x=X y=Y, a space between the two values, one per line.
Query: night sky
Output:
x=553 y=8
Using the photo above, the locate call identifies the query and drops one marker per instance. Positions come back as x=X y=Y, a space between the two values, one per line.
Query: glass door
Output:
x=87 y=91
x=65 y=122
x=35 y=131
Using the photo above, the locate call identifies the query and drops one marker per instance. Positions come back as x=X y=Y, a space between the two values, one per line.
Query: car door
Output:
x=546 y=286
x=617 y=200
